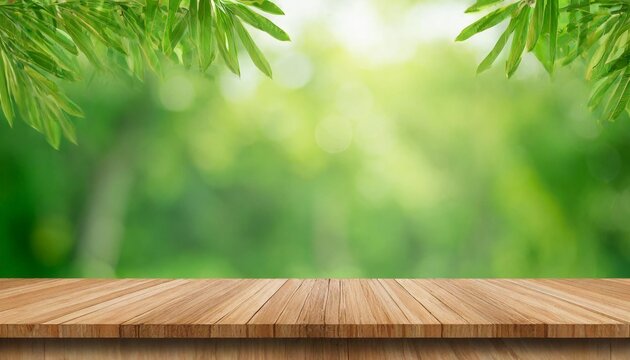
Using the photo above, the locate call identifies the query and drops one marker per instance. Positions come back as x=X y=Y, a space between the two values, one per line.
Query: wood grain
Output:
x=316 y=308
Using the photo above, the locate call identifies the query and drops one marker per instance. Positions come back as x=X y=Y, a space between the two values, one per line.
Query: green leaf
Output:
x=518 y=41
x=254 y=53
x=98 y=28
x=271 y=8
x=151 y=57
x=149 y=15
x=137 y=61
x=37 y=77
x=52 y=132
x=619 y=99
x=68 y=129
x=82 y=40
x=207 y=51
x=178 y=32
x=47 y=64
x=56 y=35
x=600 y=90
x=487 y=62
x=583 y=18
x=598 y=65
x=536 y=25
x=173 y=7
x=225 y=41
x=193 y=18
x=188 y=52
x=551 y=21
x=5 y=94
x=63 y=124
x=481 y=4
x=487 y=22
x=258 y=21
x=32 y=113
x=67 y=105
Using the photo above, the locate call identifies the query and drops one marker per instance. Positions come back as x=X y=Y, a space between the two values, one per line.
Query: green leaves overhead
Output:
x=487 y=22
x=41 y=42
x=558 y=32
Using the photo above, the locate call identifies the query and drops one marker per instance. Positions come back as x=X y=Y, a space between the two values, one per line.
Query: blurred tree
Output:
x=408 y=166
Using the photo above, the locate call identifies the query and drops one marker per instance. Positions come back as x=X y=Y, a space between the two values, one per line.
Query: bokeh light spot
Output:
x=334 y=134
x=238 y=89
x=177 y=93
x=293 y=70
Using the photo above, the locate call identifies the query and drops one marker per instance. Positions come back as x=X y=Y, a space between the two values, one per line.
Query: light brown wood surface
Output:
x=314 y=308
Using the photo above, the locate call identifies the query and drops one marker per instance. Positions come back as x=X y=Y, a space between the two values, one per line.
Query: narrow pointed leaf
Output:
x=600 y=91
x=487 y=22
x=518 y=41
x=271 y=8
x=481 y=4
x=487 y=62
x=207 y=50
x=536 y=25
x=225 y=41
x=619 y=99
x=5 y=95
x=258 y=21
x=254 y=53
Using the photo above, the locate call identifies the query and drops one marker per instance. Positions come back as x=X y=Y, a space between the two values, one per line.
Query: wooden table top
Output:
x=325 y=308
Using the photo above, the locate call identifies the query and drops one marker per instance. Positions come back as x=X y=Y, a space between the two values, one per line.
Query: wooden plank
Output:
x=390 y=320
x=459 y=319
x=368 y=310
x=286 y=325
x=565 y=319
x=6 y=284
x=234 y=324
x=263 y=322
x=604 y=300
x=38 y=290
x=47 y=307
x=331 y=312
x=607 y=286
x=561 y=318
x=355 y=320
x=107 y=321
x=32 y=319
x=173 y=317
x=311 y=319
x=426 y=325
x=22 y=285
x=200 y=315
x=315 y=308
x=509 y=319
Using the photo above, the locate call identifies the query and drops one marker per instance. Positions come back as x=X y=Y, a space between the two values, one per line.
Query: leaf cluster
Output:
x=42 y=41
x=558 y=32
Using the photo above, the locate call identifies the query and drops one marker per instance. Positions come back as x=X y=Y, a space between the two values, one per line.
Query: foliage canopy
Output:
x=560 y=31
x=41 y=41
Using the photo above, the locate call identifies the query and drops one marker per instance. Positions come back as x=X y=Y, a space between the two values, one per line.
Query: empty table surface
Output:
x=315 y=308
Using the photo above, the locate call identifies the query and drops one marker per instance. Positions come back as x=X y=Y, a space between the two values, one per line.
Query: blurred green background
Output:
x=375 y=151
